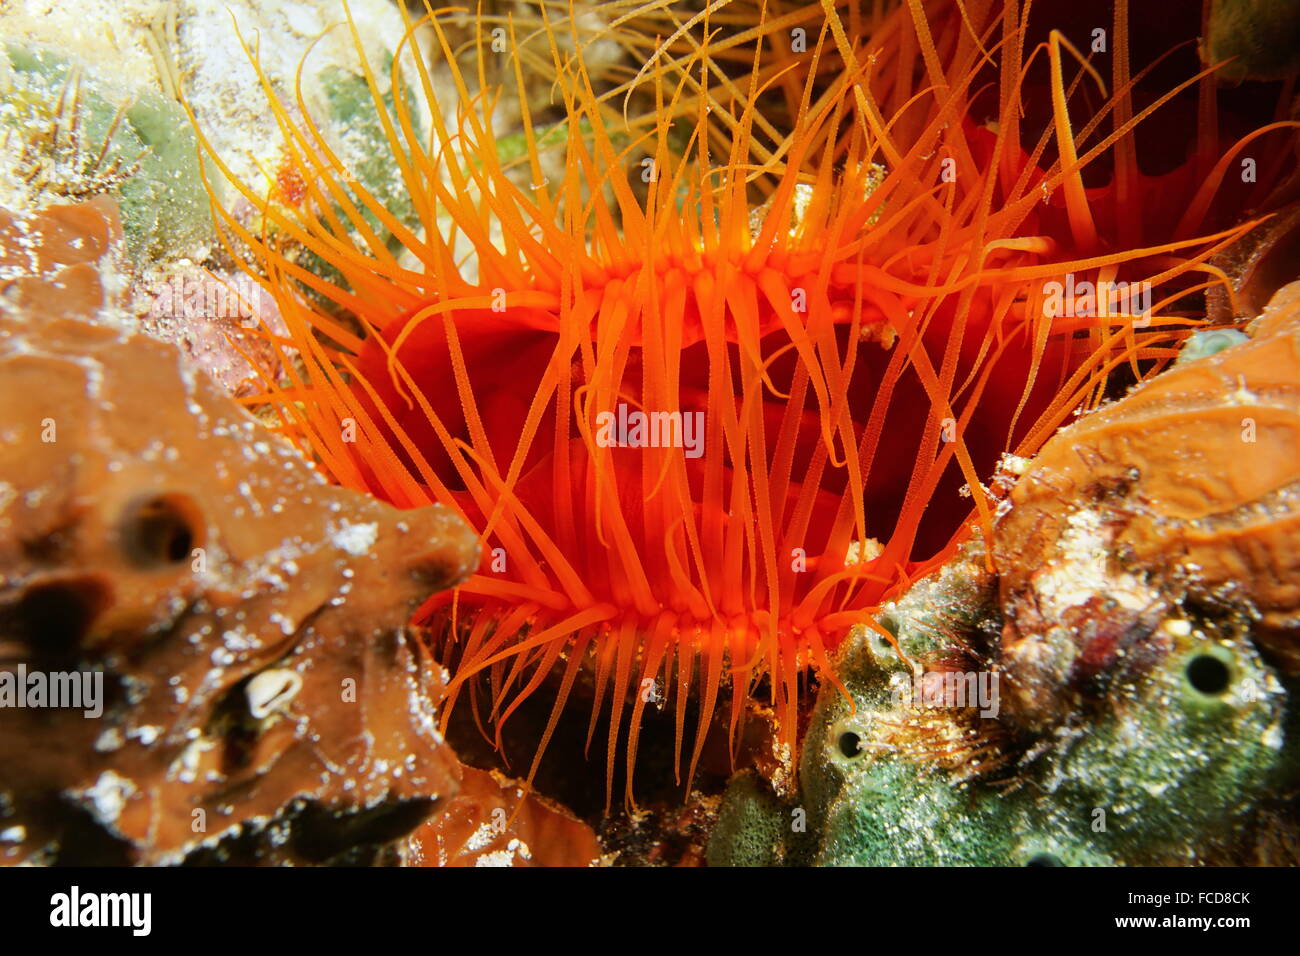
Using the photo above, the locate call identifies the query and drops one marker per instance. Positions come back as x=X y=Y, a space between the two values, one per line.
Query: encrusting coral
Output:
x=1137 y=643
x=1186 y=493
x=852 y=290
x=68 y=133
x=243 y=620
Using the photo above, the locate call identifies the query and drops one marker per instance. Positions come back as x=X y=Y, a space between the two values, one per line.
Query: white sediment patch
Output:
x=224 y=89
x=1082 y=571
x=119 y=42
x=355 y=539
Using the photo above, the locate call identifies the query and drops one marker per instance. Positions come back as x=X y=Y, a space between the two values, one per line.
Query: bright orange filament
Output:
x=854 y=362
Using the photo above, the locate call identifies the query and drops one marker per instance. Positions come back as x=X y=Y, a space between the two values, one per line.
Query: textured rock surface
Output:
x=224 y=323
x=493 y=822
x=1261 y=37
x=1186 y=492
x=261 y=700
x=73 y=132
x=1167 y=768
x=61 y=260
x=1142 y=629
x=1161 y=774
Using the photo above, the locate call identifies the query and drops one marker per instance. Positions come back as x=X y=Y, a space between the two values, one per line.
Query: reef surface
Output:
x=1108 y=678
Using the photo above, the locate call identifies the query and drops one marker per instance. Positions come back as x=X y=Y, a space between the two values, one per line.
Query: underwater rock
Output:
x=754 y=827
x=1156 y=776
x=184 y=51
x=61 y=260
x=222 y=322
x=493 y=821
x=245 y=621
x=1119 y=692
x=1266 y=259
x=1261 y=37
x=67 y=260
x=76 y=134
x=1168 y=769
x=1186 y=493
x=222 y=85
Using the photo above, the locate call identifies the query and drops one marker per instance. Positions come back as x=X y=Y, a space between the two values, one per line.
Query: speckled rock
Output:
x=1127 y=661
x=1179 y=764
x=1184 y=493
x=73 y=134
x=62 y=260
x=244 y=622
x=494 y=821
